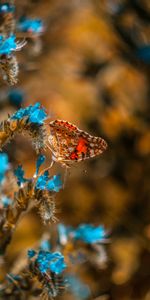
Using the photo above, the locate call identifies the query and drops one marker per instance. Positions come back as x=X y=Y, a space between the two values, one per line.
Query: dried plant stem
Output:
x=13 y=213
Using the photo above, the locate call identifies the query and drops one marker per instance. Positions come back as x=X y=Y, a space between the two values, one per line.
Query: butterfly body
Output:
x=70 y=144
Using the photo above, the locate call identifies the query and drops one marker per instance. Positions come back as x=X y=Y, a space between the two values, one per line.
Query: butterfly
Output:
x=70 y=144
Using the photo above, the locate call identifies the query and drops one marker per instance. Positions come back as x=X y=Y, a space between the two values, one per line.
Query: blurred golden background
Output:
x=88 y=68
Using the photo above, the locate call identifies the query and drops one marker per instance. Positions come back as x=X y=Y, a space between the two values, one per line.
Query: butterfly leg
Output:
x=46 y=169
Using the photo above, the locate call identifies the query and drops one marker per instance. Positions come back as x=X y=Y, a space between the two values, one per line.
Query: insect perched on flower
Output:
x=70 y=144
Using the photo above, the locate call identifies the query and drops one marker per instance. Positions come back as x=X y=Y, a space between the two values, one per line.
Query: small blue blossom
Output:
x=57 y=266
x=143 y=53
x=51 y=262
x=42 y=181
x=39 y=162
x=47 y=261
x=37 y=114
x=78 y=288
x=45 y=245
x=6 y=201
x=34 y=113
x=63 y=233
x=30 y=25
x=21 y=113
x=19 y=173
x=90 y=234
x=16 y=97
x=4 y=165
x=31 y=253
x=7 y=45
x=54 y=184
x=7 y=8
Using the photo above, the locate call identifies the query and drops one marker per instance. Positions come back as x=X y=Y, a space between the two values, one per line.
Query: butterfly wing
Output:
x=68 y=143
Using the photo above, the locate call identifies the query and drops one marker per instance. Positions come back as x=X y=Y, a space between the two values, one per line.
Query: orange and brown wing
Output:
x=72 y=144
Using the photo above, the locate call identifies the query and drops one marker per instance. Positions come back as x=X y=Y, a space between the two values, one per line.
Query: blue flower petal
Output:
x=55 y=184
x=39 y=162
x=89 y=233
x=45 y=245
x=19 y=173
x=16 y=97
x=34 y=113
x=30 y=25
x=42 y=181
x=77 y=287
x=7 y=8
x=7 y=45
x=6 y=201
x=31 y=253
x=53 y=262
x=4 y=165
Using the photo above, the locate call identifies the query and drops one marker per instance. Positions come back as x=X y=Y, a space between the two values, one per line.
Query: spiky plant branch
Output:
x=42 y=275
x=28 y=120
x=9 y=128
x=13 y=213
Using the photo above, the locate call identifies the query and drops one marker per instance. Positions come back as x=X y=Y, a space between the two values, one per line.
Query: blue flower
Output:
x=53 y=262
x=4 y=165
x=45 y=245
x=58 y=265
x=37 y=115
x=90 y=234
x=31 y=253
x=19 y=173
x=34 y=113
x=78 y=288
x=143 y=53
x=42 y=181
x=19 y=114
x=39 y=162
x=63 y=233
x=6 y=201
x=16 y=97
x=54 y=184
x=7 y=8
x=7 y=45
x=30 y=25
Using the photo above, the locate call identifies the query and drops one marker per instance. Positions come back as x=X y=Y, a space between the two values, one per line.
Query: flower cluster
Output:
x=8 y=44
x=29 y=120
x=46 y=261
x=34 y=26
x=45 y=183
x=33 y=113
